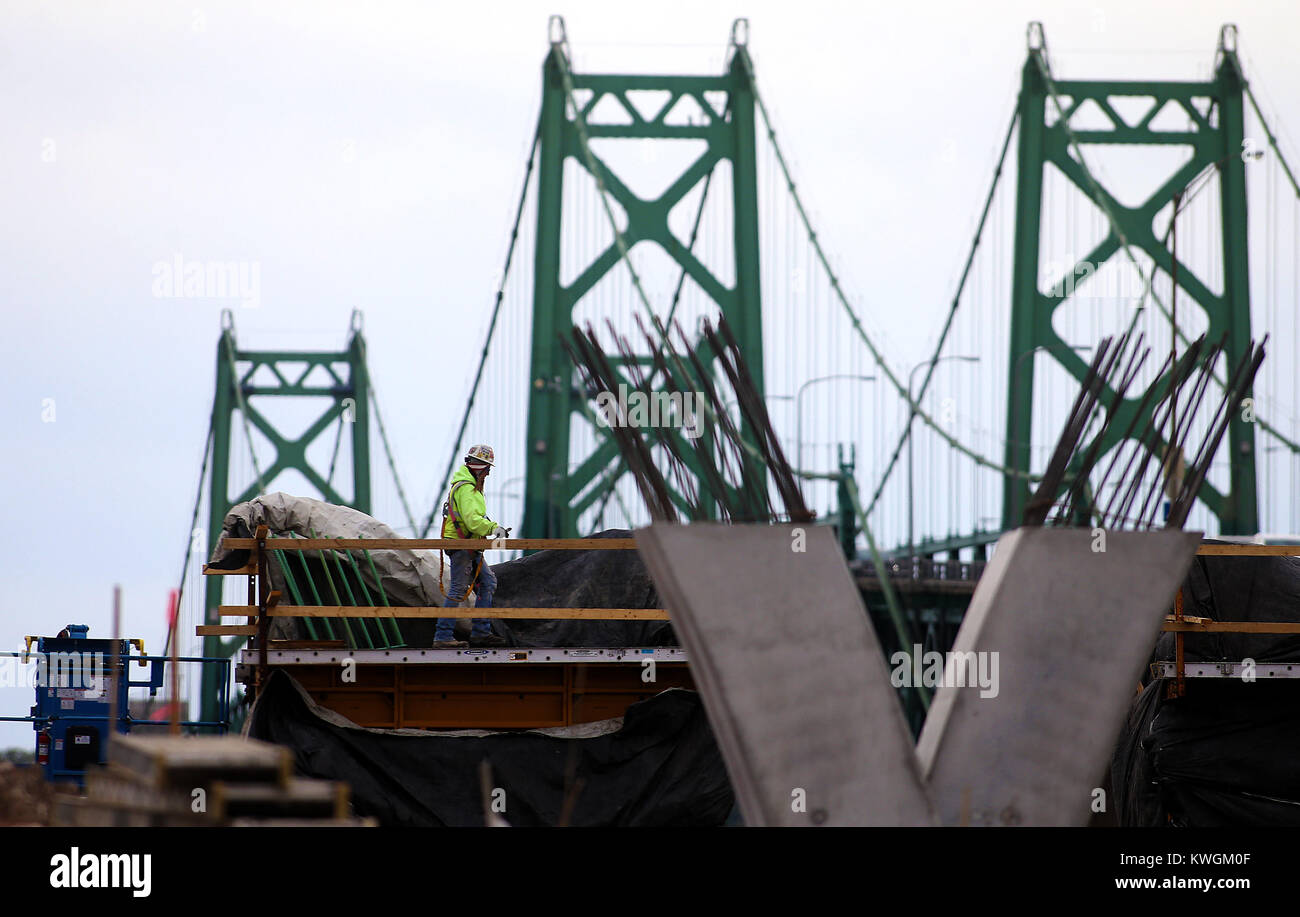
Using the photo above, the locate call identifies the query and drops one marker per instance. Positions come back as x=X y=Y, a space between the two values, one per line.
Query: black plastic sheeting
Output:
x=660 y=767
x=569 y=579
x=1224 y=754
x=1225 y=588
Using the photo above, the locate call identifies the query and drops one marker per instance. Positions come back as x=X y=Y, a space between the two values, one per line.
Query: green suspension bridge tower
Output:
x=244 y=375
x=1214 y=110
x=554 y=494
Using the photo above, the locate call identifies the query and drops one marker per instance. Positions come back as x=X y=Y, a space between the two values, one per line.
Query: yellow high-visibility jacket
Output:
x=467 y=508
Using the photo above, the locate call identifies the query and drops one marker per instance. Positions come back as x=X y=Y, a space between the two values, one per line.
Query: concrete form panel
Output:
x=794 y=681
x=1072 y=627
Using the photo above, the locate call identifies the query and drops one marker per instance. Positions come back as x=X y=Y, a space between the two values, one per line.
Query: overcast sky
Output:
x=367 y=155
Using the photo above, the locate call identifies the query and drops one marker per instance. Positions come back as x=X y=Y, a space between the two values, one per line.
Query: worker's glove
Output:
x=500 y=532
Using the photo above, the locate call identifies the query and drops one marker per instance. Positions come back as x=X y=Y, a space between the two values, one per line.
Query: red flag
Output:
x=163 y=712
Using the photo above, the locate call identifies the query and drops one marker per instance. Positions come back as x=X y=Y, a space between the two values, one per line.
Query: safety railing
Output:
x=361 y=625
x=1180 y=625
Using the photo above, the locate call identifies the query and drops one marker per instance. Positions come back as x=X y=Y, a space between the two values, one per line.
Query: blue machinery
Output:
x=75 y=686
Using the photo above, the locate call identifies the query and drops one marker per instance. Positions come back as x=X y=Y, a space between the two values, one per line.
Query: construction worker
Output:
x=465 y=516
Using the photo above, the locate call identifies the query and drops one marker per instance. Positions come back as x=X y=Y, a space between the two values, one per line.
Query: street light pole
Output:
x=798 y=409
x=911 y=416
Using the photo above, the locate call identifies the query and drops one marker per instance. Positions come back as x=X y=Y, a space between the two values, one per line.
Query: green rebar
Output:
x=302 y=556
x=396 y=634
x=352 y=600
x=365 y=594
x=293 y=591
x=347 y=625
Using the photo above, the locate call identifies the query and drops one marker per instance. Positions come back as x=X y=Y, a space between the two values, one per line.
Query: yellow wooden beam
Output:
x=1251 y=550
x=435 y=544
x=1231 y=627
x=383 y=611
x=238 y=611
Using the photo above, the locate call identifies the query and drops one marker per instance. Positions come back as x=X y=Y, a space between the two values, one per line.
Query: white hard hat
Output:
x=480 y=453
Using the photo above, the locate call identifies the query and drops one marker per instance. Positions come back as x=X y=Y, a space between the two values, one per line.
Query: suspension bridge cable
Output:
x=912 y=403
x=383 y=436
x=194 y=518
x=690 y=247
x=338 y=438
x=557 y=49
x=559 y=53
x=1272 y=140
x=608 y=480
x=243 y=414
x=1295 y=186
x=952 y=311
x=492 y=324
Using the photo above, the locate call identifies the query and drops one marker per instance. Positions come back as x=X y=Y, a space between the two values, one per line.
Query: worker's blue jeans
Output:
x=463 y=565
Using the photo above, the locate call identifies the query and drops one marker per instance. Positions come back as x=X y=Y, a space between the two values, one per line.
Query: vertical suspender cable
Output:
x=487 y=344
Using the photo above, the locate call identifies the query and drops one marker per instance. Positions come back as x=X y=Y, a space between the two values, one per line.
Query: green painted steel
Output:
x=1215 y=141
x=294 y=593
x=315 y=593
x=555 y=496
x=928 y=547
x=350 y=396
x=846 y=521
x=338 y=600
x=388 y=630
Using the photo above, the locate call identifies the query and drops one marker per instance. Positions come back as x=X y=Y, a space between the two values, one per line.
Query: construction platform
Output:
x=498 y=688
x=403 y=687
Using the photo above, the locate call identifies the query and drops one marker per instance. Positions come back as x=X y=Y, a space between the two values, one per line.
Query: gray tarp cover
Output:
x=409 y=577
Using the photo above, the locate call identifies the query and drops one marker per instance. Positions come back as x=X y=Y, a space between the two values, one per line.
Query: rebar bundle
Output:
x=719 y=468
x=1161 y=433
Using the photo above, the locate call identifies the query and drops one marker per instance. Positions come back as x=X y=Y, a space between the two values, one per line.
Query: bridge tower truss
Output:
x=339 y=376
x=1215 y=137
x=560 y=486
